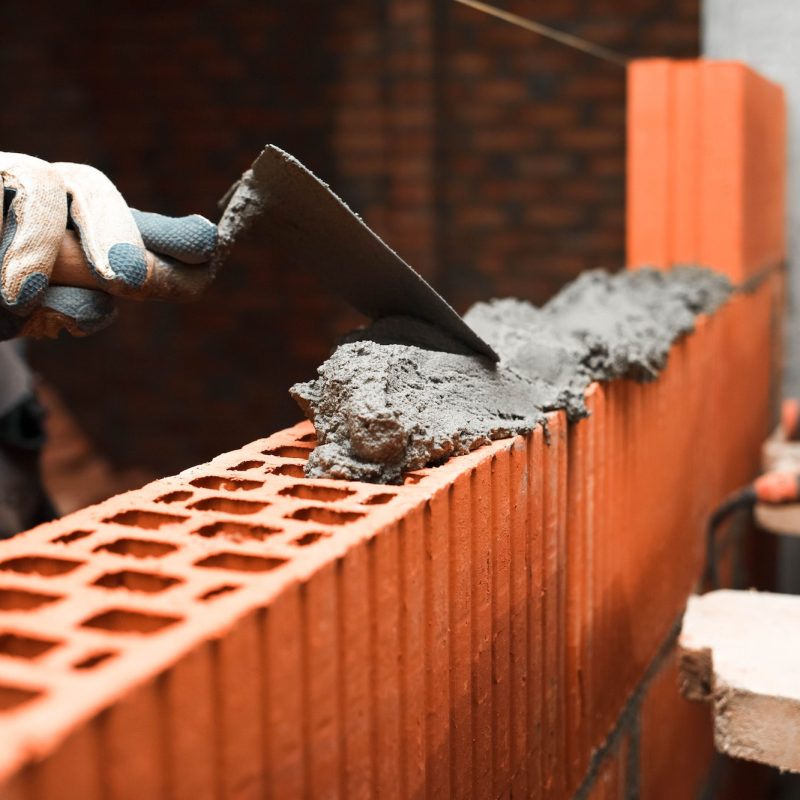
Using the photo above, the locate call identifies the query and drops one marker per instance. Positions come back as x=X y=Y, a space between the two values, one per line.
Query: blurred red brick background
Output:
x=490 y=158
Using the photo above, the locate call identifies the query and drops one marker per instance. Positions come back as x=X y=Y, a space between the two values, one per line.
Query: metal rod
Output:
x=551 y=33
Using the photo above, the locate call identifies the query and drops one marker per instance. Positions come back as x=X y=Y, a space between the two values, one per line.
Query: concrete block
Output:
x=739 y=653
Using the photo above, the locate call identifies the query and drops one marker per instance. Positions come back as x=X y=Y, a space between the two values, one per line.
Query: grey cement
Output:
x=401 y=394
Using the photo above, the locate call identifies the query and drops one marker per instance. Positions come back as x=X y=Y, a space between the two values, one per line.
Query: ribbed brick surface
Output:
x=706 y=164
x=239 y=631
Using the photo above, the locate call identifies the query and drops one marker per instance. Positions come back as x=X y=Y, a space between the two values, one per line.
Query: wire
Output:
x=550 y=33
x=744 y=498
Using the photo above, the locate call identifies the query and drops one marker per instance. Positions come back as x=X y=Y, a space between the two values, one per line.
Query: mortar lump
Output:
x=401 y=394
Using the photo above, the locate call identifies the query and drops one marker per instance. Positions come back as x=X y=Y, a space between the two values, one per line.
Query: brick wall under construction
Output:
x=496 y=624
x=501 y=625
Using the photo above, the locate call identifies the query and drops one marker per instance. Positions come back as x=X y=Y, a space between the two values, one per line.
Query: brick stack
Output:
x=490 y=158
x=500 y=623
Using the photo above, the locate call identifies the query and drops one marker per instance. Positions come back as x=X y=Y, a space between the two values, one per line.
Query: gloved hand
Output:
x=129 y=253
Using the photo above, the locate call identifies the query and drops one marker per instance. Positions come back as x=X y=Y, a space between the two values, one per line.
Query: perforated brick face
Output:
x=129 y=586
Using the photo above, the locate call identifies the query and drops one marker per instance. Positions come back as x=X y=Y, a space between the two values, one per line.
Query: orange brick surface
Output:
x=240 y=631
x=706 y=167
x=611 y=781
x=676 y=745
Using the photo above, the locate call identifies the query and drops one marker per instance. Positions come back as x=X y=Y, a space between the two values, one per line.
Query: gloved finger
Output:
x=34 y=216
x=108 y=234
x=191 y=239
x=78 y=311
x=165 y=278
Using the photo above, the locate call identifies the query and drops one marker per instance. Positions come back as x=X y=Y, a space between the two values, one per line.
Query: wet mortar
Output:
x=401 y=395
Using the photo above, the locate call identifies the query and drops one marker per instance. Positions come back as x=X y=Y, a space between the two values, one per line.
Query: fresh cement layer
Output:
x=400 y=394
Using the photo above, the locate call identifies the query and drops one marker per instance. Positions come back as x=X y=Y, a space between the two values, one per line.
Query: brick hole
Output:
x=246 y=465
x=12 y=697
x=122 y=620
x=40 y=565
x=237 y=531
x=174 y=497
x=218 y=591
x=150 y=520
x=379 y=499
x=308 y=437
x=309 y=538
x=228 y=505
x=411 y=479
x=289 y=451
x=226 y=484
x=138 y=548
x=135 y=581
x=289 y=470
x=72 y=536
x=323 y=494
x=239 y=562
x=94 y=660
x=19 y=645
x=23 y=600
x=325 y=516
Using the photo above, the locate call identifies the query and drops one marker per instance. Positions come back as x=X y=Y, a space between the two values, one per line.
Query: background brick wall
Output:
x=489 y=158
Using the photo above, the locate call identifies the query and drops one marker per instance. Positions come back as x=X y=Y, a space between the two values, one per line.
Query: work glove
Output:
x=60 y=218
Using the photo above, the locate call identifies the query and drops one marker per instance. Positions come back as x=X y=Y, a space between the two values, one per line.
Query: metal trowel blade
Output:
x=302 y=223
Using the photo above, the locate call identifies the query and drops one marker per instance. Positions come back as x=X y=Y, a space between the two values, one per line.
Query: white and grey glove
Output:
x=130 y=253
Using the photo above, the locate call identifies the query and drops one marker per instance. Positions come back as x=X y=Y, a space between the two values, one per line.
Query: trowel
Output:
x=301 y=223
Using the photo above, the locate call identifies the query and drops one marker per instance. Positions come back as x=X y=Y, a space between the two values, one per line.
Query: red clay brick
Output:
x=436 y=522
x=706 y=159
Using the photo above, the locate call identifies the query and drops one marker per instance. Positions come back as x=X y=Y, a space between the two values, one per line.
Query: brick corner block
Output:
x=706 y=167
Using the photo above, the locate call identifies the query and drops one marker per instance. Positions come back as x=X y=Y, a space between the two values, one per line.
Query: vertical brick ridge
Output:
x=520 y=598
x=462 y=731
x=481 y=626
x=500 y=525
x=536 y=611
